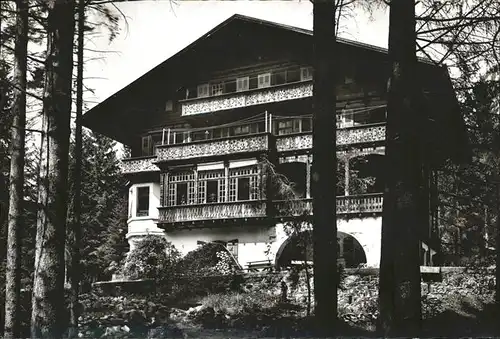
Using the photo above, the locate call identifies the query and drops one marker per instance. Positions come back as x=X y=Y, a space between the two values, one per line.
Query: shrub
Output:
x=208 y=269
x=153 y=258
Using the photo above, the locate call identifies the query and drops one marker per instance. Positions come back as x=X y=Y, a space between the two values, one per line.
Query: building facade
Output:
x=215 y=126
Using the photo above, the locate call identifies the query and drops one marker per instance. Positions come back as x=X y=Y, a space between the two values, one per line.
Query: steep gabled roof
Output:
x=120 y=115
x=100 y=117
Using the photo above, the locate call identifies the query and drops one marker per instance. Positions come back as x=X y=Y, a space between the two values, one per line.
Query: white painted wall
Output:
x=141 y=226
x=252 y=240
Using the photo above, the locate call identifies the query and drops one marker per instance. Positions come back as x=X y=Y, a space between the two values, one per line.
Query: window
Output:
x=211 y=186
x=142 y=202
x=279 y=78
x=243 y=184
x=243 y=188
x=202 y=91
x=218 y=89
x=146 y=145
x=242 y=84
x=306 y=73
x=289 y=126
x=181 y=189
x=240 y=130
x=264 y=80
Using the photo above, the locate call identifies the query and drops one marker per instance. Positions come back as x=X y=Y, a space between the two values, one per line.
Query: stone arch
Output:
x=350 y=252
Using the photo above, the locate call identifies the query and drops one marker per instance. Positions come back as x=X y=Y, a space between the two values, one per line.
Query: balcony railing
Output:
x=352 y=204
x=136 y=165
x=199 y=149
x=252 y=97
x=216 y=211
x=345 y=136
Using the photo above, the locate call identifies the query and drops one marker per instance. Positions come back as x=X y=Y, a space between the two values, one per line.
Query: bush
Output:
x=153 y=258
x=208 y=269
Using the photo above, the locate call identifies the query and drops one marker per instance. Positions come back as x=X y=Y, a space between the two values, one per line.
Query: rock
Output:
x=125 y=328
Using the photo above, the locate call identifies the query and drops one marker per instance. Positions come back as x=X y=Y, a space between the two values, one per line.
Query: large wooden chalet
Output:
x=202 y=124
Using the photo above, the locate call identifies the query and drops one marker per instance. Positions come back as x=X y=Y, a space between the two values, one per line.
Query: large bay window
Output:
x=209 y=184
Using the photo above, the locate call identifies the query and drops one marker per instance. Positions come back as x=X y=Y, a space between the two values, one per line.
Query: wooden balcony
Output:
x=138 y=165
x=252 y=97
x=346 y=205
x=345 y=136
x=216 y=147
x=216 y=211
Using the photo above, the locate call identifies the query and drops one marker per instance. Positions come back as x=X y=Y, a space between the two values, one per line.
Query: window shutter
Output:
x=242 y=84
x=264 y=80
x=202 y=90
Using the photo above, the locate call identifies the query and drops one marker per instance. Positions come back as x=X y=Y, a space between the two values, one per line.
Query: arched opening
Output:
x=298 y=249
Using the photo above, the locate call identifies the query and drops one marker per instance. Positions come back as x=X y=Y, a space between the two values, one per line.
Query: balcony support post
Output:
x=308 y=177
x=226 y=178
x=346 y=175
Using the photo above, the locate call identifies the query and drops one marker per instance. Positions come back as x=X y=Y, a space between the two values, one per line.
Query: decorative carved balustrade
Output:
x=248 y=98
x=362 y=203
x=136 y=165
x=345 y=136
x=217 y=211
x=352 y=204
x=361 y=134
x=198 y=149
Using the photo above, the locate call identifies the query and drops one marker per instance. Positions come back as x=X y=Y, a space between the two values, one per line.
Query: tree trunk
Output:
x=77 y=178
x=399 y=287
x=48 y=318
x=324 y=167
x=497 y=244
x=16 y=196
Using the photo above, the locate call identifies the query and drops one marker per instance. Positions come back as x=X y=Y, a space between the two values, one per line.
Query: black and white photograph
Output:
x=249 y=169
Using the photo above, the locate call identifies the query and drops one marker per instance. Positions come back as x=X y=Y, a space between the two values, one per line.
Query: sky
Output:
x=152 y=31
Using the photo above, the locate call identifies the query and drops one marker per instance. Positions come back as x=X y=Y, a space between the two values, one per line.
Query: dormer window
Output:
x=264 y=80
x=203 y=91
x=242 y=84
x=306 y=73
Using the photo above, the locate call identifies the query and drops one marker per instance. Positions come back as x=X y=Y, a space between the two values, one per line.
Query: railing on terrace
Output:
x=246 y=143
x=214 y=211
x=349 y=204
x=257 y=96
x=135 y=165
x=349 y=127
x=249 y=81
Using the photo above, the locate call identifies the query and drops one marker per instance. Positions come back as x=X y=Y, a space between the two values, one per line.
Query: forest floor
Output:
x=460 y=305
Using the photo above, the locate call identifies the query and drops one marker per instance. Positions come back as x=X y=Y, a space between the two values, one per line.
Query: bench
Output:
x=260 y=265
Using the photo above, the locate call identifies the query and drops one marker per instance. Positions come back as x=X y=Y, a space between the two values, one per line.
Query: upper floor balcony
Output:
x=218 y=213
x=278 y=84
x=368 y=203
x=139 y=164
x=260 y=133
